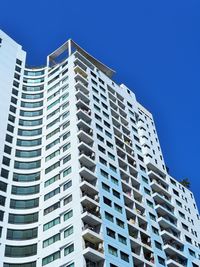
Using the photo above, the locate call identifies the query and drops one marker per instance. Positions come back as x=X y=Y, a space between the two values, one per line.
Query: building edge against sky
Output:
x=83 y=180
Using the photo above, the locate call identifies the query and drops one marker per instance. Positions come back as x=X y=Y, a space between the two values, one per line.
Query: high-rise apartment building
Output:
x=83 y=181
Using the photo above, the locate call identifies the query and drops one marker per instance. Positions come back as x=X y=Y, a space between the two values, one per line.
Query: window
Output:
x=66 y=159
x=122 y=239
x=35 y=142
x=28 y=153
x=109 y=217
x=114 y=180
x=52 y=167
x=67 y=171
x=115 y=193
x=106 y=187
x=23 y=219
x=161 y=261
x=68 y=231
x=110 y=233
x=67 y=185
x=55 y=142
x=4 y=173
x=52 y=193
x=29 y=177
x=31 y=104
x=24 y=204
x=67 y=200
x=29 y=132
x=51 y=240
x=104 y=173
x=51 y=224
x=52 y=155
x=25 y=190
x=113 y=168
x=118 y=208
x=120 y=223
x=50 y=258
x=68 y=215
x=124 y=256
x=20 y=251
x=52 y=180
x=69 y=249
x=112 y=251
x=22 y=234
x=107 y=201
x=52 y=208
x=158 y=245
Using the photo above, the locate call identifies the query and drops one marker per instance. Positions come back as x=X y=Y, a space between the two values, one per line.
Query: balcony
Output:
x=83 y=126
x=81 y=87
x=160 y=187
x=161 y=199
x=87 y=174
x=166 y=223
x=165 y=210
x=93 y=251
x=91 y=216
x=86 y=159
x=83 y=111
x=85 y=137
x=175 y=261
x=88 y=188
x=80 y=63
x=94 y=264
x=80 y=71
x=91 y=233
x=84 y=97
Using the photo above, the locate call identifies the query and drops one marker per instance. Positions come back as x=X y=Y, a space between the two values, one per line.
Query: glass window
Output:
x=31 y=104
x=50 y=258
x=22 y=234
x=30 y=123
x=52 y=208
x=51 y=224
x=69 y=249
x=52 y=180
x=51 y=240
x=29 y=177
x=68 y=215
x=112 y=251
x=27 y=165
x=33 y=88
x=68 y=231
x=52 y=167
x=25 y=190
x=24 y=204
x=55 y=142
x=35 y=142
x=35 y=96
x=28 y=264
x=28 y=153
x=52 y=193
x=23 y=219
x=20 y=251
x=29 y=132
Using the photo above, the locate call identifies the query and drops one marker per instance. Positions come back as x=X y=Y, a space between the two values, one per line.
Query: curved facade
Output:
x=83 y=181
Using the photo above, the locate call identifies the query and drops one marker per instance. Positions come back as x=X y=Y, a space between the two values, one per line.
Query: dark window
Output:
x=14 y=92
x=14 y=100
x=21 y=234
x=7 y=149
x=3 y=186
x=2 y=201
x=23 y=219
x=19 y=62
x=11 y=118
x=20 y=251
x=10 y=128
x=6 y=161
x=4 y=173
x=9 y=138
x=16 y=84
x=18 y=69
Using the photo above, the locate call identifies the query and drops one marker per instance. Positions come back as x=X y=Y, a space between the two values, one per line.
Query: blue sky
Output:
x=153 y=45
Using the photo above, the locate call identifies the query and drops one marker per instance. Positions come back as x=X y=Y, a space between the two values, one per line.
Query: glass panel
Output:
x=20 y=251
x=23 y=219
x=29 y=177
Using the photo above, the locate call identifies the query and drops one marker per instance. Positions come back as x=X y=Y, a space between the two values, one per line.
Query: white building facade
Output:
x=83 y=181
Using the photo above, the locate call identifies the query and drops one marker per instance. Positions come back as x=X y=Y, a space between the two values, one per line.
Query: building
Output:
x=83 y=180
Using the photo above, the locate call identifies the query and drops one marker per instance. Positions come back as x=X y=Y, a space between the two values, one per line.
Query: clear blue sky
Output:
x=153 y=45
